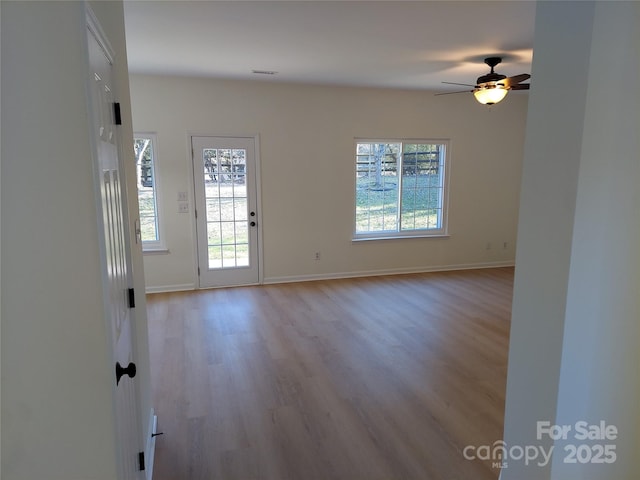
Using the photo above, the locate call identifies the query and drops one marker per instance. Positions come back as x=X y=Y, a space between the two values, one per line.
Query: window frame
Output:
x=445 y=163
x=158 y=245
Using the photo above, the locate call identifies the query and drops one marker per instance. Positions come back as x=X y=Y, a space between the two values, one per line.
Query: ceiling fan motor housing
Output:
x=492 y=76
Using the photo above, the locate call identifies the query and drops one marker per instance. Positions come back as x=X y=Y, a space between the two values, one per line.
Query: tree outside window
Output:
x=144 y=149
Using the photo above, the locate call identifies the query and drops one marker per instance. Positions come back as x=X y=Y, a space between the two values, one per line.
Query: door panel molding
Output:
x=115 y=247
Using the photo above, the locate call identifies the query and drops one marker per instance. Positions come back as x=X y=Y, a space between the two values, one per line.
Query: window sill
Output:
x=155 y=251
x=399 y=237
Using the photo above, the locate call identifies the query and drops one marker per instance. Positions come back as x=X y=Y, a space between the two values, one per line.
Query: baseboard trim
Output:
x=334 y=276
x=150 y=448
x=391 y=271
x=170 y=288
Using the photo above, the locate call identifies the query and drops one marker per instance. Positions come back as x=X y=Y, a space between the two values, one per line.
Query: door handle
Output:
x=253 y=224
x=129 y=370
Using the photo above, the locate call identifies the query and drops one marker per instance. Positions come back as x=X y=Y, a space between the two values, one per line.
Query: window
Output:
x=144 y=146
x=400 y=188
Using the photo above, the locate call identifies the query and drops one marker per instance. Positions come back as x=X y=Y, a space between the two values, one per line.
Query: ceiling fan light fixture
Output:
x=490 y=95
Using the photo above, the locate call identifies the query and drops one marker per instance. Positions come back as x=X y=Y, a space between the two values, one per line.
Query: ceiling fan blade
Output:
x=520 y=86
x=464 y=84
x=511 y=81
x=451 y=93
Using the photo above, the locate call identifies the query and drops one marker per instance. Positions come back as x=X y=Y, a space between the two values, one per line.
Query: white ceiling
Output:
x=395 y=44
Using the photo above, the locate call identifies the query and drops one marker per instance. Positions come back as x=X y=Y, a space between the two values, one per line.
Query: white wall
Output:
x=307 y=158
x=599 y=370
x=57 y=375
x=547 y=207
x=576 y=311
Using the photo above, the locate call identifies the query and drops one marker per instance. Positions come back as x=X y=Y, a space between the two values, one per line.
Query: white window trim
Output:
x=153 y=247
x=442 y=232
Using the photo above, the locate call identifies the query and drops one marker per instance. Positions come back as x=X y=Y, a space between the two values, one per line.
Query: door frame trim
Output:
x=194 y=234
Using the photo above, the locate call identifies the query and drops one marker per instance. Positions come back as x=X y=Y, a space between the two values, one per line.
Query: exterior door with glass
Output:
x=226 y=210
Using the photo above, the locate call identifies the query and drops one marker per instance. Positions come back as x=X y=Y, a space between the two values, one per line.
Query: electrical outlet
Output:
x=316 y=256
x=183 y=207
x=182 y=196
x=505 y=245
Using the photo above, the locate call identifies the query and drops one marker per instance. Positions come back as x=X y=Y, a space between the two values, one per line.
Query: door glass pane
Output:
x=242 y=255
x=213 y=210
x=240 y=208
x=214 y=233
x=215 y=257
x=226 y=204
x=242 y=233
x=228 y=236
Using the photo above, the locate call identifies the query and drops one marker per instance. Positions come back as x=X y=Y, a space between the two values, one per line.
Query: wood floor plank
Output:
x=378 y=378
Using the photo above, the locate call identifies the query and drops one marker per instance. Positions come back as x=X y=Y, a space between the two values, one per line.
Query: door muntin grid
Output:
x=227 y=207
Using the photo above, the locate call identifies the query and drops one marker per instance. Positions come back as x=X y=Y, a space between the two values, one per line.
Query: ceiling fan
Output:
x=493 y=87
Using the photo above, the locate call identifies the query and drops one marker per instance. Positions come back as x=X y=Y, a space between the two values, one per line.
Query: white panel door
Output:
x=116 y=258
x=226 y=210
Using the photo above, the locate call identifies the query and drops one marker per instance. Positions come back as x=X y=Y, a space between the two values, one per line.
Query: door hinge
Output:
x=198 y=271
x=141 y=461
x=116 y=114
x=131 y=296
x=196 y=212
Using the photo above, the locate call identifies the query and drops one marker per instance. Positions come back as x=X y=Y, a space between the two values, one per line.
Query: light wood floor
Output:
x=379 y=378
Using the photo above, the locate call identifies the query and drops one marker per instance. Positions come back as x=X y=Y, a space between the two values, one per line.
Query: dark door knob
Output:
x=120 y=371
x=253 y=224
